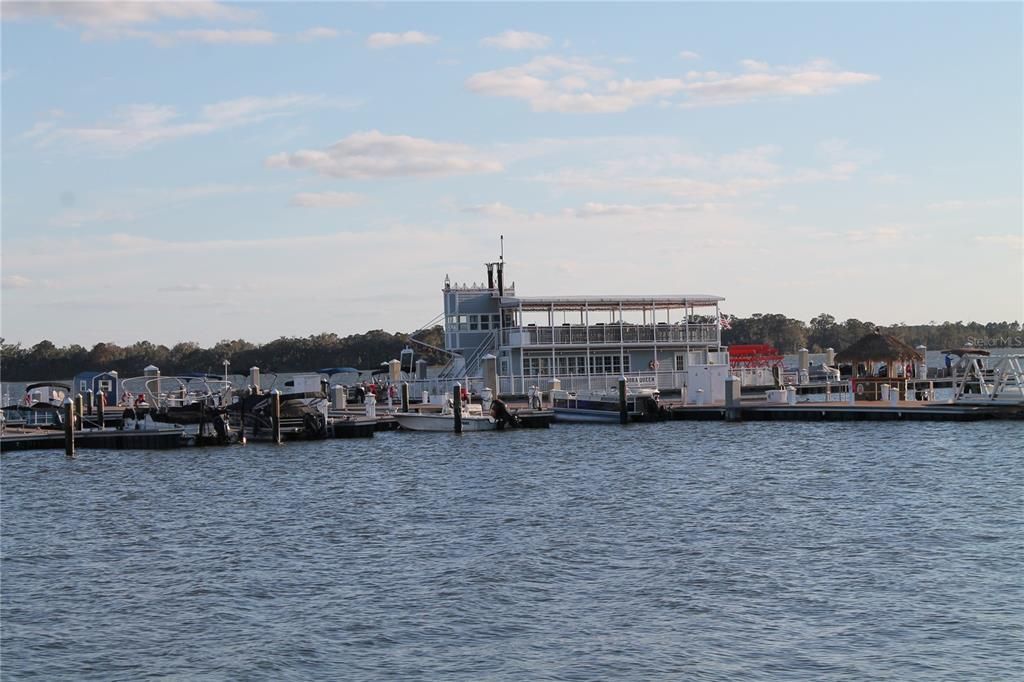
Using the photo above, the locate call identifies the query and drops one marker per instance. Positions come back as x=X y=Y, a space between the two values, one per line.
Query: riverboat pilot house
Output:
x=583 y=341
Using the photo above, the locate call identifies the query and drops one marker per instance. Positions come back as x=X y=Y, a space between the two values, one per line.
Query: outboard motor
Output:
x=499 y=410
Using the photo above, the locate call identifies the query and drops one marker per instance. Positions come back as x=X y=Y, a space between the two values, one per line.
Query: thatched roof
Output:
x=878 y=347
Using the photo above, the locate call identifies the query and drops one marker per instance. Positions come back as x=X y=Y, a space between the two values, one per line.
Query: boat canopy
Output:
x=338 y=370
x=610 y=302
x=47 y=384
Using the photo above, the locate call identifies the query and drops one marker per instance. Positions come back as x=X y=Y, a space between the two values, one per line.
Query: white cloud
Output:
x=552 y=83
x=218 y=37
x=75 y=218
x=883 y=234
x=688 y=54
x=645 y=166
x=517 y=40
x=16 y=282
x=599 y=210
x=326 y=199
x=140 y=126
x=373 y=154
x=762 y=80
x=317 y=33
x=954 y=205
x=382 y=40
x=558 y=84
x=493 y=210
x=213 y=36
x=114 y=13
x=1012 y=241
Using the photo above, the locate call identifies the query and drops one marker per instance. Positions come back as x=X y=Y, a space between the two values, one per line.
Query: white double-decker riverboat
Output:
x=581 y=344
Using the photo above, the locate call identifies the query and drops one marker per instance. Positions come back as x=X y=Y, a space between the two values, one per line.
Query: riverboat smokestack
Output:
x=490 y=276
x=501 y=279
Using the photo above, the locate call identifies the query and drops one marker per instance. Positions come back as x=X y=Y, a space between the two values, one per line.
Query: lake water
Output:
x=669 y=551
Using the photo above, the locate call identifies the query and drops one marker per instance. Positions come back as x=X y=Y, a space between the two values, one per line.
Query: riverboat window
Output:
x=572 y=364
x=474 y=323
x=608 y=364
x=537 y=366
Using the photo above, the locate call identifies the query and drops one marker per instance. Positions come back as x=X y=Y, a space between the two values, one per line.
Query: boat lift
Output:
x=1002 y=384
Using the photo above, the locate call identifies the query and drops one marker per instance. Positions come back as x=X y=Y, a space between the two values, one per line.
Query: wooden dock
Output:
x=842 y=411
x=15 y=439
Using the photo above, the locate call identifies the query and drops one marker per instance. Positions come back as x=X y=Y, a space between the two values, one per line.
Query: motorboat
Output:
x=426 y=421
x=602 y=406
x=41 y=406
x=493 y=415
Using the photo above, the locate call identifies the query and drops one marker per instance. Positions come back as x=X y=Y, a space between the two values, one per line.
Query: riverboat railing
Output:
x=608 y=334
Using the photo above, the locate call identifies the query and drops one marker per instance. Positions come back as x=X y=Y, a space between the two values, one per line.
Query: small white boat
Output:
x=603 y=406
x=415 y=421
x=473 y=419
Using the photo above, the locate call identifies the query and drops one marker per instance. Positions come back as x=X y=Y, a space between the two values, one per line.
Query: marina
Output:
x=526 y=362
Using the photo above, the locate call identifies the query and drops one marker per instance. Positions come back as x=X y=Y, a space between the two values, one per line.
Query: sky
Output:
x=198 y=171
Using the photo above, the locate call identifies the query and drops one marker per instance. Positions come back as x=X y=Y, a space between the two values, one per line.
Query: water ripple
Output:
x=683 y=550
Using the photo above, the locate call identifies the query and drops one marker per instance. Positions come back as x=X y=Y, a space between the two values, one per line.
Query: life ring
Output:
x=653 y=364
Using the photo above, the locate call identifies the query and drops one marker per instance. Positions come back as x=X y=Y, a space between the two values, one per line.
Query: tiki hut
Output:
x=877 y=348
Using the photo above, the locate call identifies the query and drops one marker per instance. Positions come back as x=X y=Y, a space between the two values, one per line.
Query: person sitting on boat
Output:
x=140 y=399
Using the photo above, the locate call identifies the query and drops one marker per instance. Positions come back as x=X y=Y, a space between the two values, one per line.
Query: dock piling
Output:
x=457 y=406
x=733 y=411
x=405 y=396
x=69 y=427
x=80 y=410
x=623 y=414
x=275 y=401
x=89 y=402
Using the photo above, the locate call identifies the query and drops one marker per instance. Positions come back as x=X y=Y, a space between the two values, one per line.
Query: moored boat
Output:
x=603 y=406
x=414 y=421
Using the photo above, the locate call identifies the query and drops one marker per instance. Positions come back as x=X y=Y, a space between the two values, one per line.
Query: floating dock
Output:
x=835 y=411
x=108 y=439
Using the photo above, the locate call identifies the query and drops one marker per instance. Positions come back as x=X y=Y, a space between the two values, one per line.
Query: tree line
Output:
x=46 y=361
x=824 y=331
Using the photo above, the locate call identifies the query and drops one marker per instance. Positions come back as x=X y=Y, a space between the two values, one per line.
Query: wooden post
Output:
x=405 y=396
x=241 y=417
x=275 y=402
x=733 y=408
x=89 y=402
x=623 y=414
x=69 y=427
x=101 y=403
x=80 y=410
x=457 y=406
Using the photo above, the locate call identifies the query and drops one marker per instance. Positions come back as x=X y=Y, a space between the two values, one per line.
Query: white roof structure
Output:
x=610 y=302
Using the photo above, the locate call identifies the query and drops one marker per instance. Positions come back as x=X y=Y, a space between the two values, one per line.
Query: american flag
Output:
x=724 y=321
